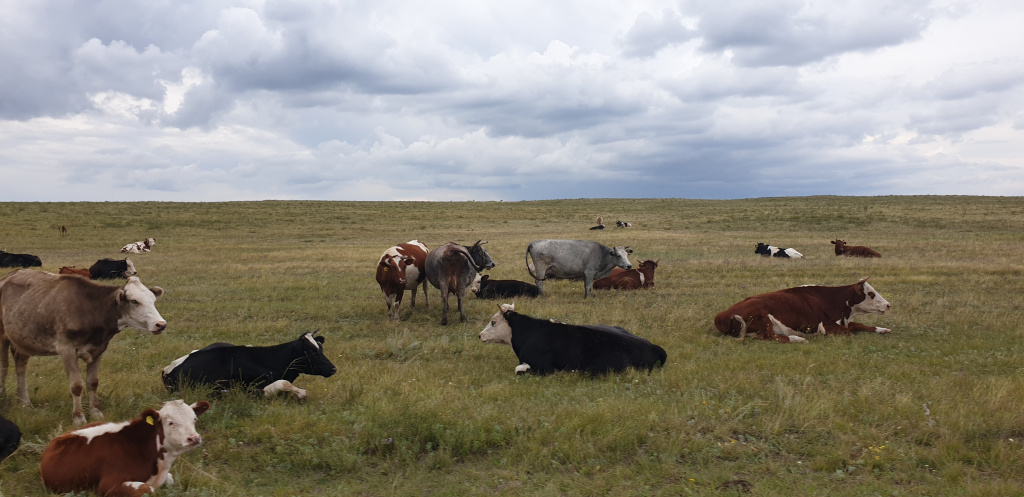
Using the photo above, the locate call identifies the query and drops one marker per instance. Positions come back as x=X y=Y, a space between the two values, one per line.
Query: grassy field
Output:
x=935 y=408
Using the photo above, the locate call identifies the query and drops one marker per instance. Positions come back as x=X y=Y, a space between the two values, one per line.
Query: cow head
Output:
x=391 y=268
x=316 y=362
x=129 y=268
x=840 y=246
x=478 y=283
x=498 y=330
x=137 y=307
x=179 y=423
x=762 y=249
x=620 y=256
x=873 y=302
x=481 y=259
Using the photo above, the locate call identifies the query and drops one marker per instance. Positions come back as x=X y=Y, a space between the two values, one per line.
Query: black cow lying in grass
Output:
x=486 y=288
x=271 y=369
x=544 y=346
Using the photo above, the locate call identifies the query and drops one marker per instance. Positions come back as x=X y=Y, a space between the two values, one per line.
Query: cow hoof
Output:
x=796 y=339
x=95 y=414
x=522 y=369
x=78 y=420
x=882 y=331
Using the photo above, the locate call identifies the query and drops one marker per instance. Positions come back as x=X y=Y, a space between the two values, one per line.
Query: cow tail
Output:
x=743 y=325
x=528 y=268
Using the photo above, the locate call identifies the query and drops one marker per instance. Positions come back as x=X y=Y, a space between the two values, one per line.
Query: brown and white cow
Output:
x=641 y=276
x=75 y=318
x=139 y=247
x=401 y=268
x=853 y=250
x=786 y=315
x=74 y=270
x=129 y=458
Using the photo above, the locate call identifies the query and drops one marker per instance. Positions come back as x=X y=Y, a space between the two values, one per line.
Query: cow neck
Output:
x=524 y=329
x=106 y=308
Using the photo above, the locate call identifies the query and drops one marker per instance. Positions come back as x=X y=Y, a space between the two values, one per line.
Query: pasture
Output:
x=935 y=408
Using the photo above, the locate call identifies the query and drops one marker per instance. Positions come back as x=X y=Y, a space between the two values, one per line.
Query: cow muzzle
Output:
x=159 y=327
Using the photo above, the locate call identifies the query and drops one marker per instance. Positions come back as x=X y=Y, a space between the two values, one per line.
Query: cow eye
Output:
x=494 y=323
x=134 y=302
x=871 y=294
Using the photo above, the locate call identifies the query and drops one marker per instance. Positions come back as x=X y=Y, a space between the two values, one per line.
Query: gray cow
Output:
x=574 y=259
x=452 y=268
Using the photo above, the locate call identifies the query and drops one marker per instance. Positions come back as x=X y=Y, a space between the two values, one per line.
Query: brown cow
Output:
x=74 y=270
x=75 y=318
x=400 y=269
x=642 y=276
x=853 y=250
x=786 y=315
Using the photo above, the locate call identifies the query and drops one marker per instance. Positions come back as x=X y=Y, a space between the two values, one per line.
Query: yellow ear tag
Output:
x=149 y=419
x=386 y=268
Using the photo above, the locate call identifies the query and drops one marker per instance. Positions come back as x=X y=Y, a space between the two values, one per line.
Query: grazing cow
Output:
x=574 y=259
x=10 y=438
x=7 y=259
x=623 y=224
x=400 y=269
x=129 y=458
x=773 y=251
x=642 y=276
x=110 y=269
x=74 y=270
x=853 y=250
x=486 y=288
x=75 y=318
x=786 y=315
x=139 y=247
x=63 y=230
x=271 y=369
x=600 y=224
x=451 y=268
x=545 y=346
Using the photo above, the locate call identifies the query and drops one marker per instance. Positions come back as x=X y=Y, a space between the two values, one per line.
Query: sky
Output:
x=220 y=100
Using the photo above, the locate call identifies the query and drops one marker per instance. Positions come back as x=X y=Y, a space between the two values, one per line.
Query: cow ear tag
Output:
x=149 y=419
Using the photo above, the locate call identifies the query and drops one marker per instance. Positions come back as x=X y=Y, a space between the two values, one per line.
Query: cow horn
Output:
x=315 y=332
x=862 y=280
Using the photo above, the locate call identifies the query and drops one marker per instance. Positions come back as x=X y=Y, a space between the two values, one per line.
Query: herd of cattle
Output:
x=69 y=315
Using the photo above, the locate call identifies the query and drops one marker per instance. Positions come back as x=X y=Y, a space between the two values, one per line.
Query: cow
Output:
x=401 y=268
x=10 y=438
x=600 y=224
x=773 y=251
x=787 y=315
x=623 y=224
x=8 y=259
x=853 y=250
x=75 y=270
x=270 y=369
x=63 y=230
x=452 y=268
x=642 y=276
x=486 y=288
x=129 y=458
x=139 y=247
x=574 y=259
x=111 y=269
x=49 y=314
x=544 y=346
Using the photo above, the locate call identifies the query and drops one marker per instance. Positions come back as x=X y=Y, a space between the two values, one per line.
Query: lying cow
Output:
x=452 y=268
x=271 y=369
x=486 y=288
x=401 y=268
x=139 y=247
x=853 y=250
x=127 y=458
x=74 y=270
x=545 y=346
x=574 y=259
x=787 y=315
x=8 y=259
x=773 y=251
x=10 y=438
x=105 y=269
x=48 y=314
x=642 y=276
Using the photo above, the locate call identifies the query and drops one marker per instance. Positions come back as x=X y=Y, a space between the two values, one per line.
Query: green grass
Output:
x=421 y=409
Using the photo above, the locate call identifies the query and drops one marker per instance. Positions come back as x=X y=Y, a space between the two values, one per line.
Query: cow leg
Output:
x=76 y=384
x=5 y=351
x=413 y=302
x=522 y=368
x=856 y=327
x=21 y=370
x=92 y=376
x=283 y=386
x=462 y=313
x=426 y=294
x=783 y=333
x=444 y=307
x=588 y=284
x=112 y=486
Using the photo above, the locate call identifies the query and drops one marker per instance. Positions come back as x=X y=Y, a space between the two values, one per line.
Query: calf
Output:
x=773 y=251
x=271 y=369
x=139 y=247
x=786 y=315
x=545 y=346
x=129 y=458
x=486 y=288
x=8 y=259
x=74 y=270
x=110 y=269
x=642 y=276
x=853 y=250
x=10 y=438
x=401 y=268
x=452 y=268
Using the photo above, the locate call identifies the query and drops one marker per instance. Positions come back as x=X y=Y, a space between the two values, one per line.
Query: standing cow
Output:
x=401 y=268
x=574 y=259
x=75 y=318
x=451 y=268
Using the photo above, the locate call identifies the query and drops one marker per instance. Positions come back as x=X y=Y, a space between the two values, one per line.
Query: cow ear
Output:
x=200 y=407
x=319 y=339
x=157 y=291
x=150 y=416
x=120 y=296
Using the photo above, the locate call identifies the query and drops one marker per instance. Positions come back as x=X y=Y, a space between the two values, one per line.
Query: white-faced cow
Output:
x=642 y=276
x=574 y=259
x=10 y=438
x=75 y=318
x=787 y=315
x=269 y=369
x=401 y=268
x=544 y=346
x=773 y=251
x=486 y=288
x=139 y=247
x=8 y=259
x=853 y=250
x=452 y=268
x=129 y=458
x=105 y=269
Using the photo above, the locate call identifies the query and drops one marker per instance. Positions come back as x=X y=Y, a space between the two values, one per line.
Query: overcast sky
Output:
x=211 y=100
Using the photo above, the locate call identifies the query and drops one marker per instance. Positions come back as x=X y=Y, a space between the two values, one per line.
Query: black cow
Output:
x=8 y=259
x=271 y=369
x=10 y=438
x=110 y=269
x=545 y=346
x=486 y=288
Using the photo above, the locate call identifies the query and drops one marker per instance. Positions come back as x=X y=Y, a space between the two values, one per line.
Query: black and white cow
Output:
x=8 y=259
x=574 y=259
x=271 y=369
x=773 y=251
x=10 y=438
x=110 y=269
x=486 y=288
x=545 y=346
